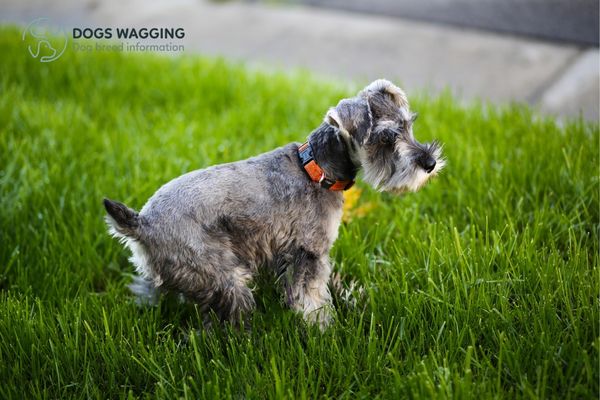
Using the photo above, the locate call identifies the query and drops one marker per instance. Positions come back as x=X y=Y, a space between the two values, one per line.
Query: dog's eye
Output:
x=390 y=136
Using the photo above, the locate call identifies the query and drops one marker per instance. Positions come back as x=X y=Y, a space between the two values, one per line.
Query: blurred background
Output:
x=540 y=52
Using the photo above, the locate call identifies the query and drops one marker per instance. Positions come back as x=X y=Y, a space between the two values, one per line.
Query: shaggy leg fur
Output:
x=220 y=288
x=307 y=289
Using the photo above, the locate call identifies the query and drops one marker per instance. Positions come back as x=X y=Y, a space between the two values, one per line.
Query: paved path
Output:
x=557 y=78
x=573 y=21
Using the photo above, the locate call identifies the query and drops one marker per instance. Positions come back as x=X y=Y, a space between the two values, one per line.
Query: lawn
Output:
x=483 y=285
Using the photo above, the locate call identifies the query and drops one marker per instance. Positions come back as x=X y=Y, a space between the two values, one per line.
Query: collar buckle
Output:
x=316 y=173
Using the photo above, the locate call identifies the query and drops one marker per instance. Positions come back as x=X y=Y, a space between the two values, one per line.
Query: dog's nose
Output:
x=427 y=163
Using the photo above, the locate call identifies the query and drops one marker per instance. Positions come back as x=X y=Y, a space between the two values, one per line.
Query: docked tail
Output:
x=122 y=220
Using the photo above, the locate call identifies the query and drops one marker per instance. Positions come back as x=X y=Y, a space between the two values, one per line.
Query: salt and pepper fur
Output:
x=207 y=233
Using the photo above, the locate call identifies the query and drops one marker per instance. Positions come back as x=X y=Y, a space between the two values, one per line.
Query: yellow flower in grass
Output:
x=351 y=197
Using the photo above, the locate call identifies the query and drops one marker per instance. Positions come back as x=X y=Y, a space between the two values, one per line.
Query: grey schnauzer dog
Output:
x=207 y=233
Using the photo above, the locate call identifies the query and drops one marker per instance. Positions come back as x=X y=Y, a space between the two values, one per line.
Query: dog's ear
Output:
x=387 y=89
x=385 y=99
x=352 y=117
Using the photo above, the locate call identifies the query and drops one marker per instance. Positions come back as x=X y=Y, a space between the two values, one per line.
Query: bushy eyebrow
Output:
x=387 y=124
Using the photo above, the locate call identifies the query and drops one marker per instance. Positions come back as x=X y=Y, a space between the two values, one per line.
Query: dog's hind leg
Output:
x=224 y=292
x=231 y=299
x=232 y=302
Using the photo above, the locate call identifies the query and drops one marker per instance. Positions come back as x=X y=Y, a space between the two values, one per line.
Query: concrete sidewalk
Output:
x=556 y=78
x=568 y=21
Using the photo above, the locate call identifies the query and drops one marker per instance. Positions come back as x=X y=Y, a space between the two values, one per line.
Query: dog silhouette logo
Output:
x=44 y=43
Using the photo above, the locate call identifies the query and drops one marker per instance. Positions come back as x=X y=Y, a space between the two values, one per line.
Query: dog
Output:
x=207 y=233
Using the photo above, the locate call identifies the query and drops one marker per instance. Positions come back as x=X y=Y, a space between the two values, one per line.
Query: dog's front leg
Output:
x=307 y=288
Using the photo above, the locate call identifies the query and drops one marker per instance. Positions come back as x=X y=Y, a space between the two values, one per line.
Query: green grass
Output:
x=484 y=284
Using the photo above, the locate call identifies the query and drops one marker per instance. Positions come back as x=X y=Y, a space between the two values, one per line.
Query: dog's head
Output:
x=378 y=127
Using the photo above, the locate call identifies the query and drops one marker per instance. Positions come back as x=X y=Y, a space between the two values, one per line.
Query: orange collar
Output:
x=316 y=173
